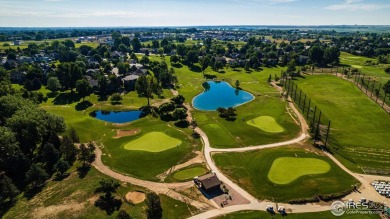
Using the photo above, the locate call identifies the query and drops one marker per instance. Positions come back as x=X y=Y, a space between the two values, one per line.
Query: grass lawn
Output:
x=74 y=198
x=153 y=142
x=285 y=170
x=190 y=173
x=141 y=163
x=250 y=170
x=360 y=128
x=266 y=123
x=319 y=215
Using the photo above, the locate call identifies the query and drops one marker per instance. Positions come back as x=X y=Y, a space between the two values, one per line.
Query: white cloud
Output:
x=355 y=5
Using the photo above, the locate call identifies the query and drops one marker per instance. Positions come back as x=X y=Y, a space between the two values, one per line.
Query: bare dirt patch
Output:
x=135 y=197
x=124 y=133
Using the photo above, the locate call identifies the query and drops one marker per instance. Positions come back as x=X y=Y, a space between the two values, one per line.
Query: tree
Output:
x=36 y=177
x=174 y=59
x=191 y=57
x=87 y=154
x=153 y=203
x=69 y=74
x=136 y=44
x=247 y=67
x=106 y=200
x=49 y=156
x=386 y=87
x=179 y=114
x=165 y=108
x=144 y=60
x=116 y=98
x=237 y=84
x=179 y=99
x=61 y=167
x=387 y=70
x=123 y=68
x=53 y=84
x=68 y=150
x=291 y=66
x=269 y=78
x=83 y=88
x=193 y=124
x=218 y=65
x=332 y=55
x=8 y=190
x=204 y=63
x=122 y=214
x=73 y=135
x=316 y=55
x=146 y=86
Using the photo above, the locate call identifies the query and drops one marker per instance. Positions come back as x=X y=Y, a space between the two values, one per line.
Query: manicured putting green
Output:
x=285 y=170
x=266 y=123
x=189 y=173
x=153 y=142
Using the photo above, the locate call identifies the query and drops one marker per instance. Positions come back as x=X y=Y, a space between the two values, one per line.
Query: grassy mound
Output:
x=153 y=142
x=189 y=173
x=285 y=170
x=266 y=123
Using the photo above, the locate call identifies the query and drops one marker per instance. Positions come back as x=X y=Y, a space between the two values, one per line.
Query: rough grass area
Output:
x=153 y=142
x=74 y=198
x=319 y=215
x=266 y=123
x=250 y=171
x=190 y=173
x=359 y=134
x=285 y=170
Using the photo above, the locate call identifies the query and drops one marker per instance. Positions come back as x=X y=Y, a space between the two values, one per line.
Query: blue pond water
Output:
x=220 y=94
x=117 y=117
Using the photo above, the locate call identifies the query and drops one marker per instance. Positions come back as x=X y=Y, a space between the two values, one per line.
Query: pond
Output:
x=220 y=94
x=117 y=116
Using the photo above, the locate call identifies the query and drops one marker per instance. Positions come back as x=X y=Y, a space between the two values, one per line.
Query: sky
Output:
x=102 y=13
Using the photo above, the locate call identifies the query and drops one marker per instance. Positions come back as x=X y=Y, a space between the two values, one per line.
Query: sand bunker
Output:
x=135 y=197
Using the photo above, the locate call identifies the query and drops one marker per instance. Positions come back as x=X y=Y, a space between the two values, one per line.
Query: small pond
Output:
x=117 y=116
x=220 y=94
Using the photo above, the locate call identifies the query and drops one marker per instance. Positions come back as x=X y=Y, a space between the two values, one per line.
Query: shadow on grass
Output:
x=83 y=170
x=83 y=105
x=103 y=97
x=66 y=98
x=61 y=177
x=177 y=65
x=32 y=191
x=116 y=103
x=208 y=76
x=108 y=203
x=182 y=124
x=195 y=68
x=52 y=94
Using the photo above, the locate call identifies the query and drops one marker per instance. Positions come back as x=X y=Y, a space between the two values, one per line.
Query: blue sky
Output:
x=75 y=13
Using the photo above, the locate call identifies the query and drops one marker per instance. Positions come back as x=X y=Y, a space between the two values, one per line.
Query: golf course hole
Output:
x=135 y=197
x=266 y=123
x=189 y=173
x=285 y=170
x=153 y=142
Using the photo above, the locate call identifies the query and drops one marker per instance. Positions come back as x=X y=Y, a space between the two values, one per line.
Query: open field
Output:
x=153 y=142
x=251 y=169
x=359 y=129
x=266 y=123
x=285 y=170
x=74 y=198
x=319 y=215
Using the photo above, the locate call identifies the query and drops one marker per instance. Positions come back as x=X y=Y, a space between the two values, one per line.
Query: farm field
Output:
x=252 y=170
x=359 y=129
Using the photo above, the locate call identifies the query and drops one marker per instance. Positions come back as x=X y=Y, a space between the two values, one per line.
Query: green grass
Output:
x=190 y=173
x=250 y=171
x=317 y=215
x=266 y=123
x=285 y=170
x=74 y=198
x=144 y=164
x=153 y=142
x=359 y=127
